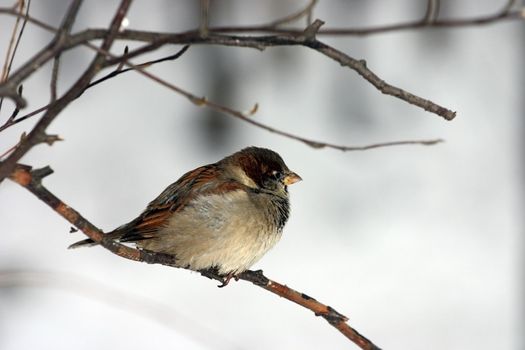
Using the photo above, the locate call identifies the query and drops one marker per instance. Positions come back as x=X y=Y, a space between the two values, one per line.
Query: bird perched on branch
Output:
x=222 y=216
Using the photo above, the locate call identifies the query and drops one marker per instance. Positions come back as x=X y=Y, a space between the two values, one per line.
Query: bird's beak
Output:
x=291 y=178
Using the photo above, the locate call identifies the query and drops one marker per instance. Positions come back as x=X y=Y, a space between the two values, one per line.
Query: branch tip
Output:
x=252 y=111
x=39 y=174
x=310 y=31
x=315 y=144
x=199 y=101
x=49 y=139
x=19 y=101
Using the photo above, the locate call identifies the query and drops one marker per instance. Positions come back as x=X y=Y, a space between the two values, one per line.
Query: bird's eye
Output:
x=276 y=174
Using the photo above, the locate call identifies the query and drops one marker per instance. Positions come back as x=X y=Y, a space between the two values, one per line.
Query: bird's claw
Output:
x=227 y=279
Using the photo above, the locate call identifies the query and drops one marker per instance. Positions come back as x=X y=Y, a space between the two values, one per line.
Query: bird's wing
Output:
x=205 y=180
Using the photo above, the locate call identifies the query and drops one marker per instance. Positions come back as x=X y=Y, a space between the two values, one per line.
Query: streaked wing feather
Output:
x=174 y=198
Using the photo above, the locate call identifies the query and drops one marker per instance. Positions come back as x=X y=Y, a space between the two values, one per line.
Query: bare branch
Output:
x=361 y=68
x=51 y=50
x=14 y=147
x=312 y=29
x=11 y=121
x=432 y=11
x=158 y=39
x=348 y=31
x=119 y=69
x=410 y=25
x=61 y=36
x=11 y=57
x=202 y=101
x=301 y=40
x=54 y=79
x=7 y=166
x=13 y=12
x=11 y=48
x=69 y=19
x=32 y=181
x=308 y=40
x=357 y=65
x=204 y=18
x=343 y=59
x=508 y=6
x=306 y=11
x=240 y=115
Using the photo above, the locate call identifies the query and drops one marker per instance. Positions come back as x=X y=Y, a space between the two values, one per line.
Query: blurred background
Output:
x=420 y=246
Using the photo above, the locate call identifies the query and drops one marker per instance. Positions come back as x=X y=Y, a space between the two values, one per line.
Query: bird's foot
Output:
x=227 y=279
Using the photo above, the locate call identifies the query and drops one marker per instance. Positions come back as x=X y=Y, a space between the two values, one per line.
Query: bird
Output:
x=223 y=216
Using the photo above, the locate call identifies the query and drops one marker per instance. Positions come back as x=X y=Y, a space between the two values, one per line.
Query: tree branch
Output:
x=204 y=18
x=32 y=181
x=306 y=11
x=12 y=121
x=432 y=11
x=11 y=51
x=157 y=40
x=452 y=23
x=37 y=134
x=202 y=101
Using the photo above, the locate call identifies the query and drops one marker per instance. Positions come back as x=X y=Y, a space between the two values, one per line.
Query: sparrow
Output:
x=223 y=216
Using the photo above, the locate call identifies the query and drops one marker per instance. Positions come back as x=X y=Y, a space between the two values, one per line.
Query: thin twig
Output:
x=190 y=37
x=8 y=88
x=299 y=40
x=508 y=6
x=11 y=121
x=361 y=68
x=119 y=69
x=306 y=11
x=432 y=11
x=13 y=147
x=202 y=101
x=13 y=115
x=54 y=79
x=303 y=40
x=204 y=18
x=37 y=134
x=32 y=181
x=382 y=29
x=357 y=65
x=6 y=70
x=60 y=38
x=343 y=31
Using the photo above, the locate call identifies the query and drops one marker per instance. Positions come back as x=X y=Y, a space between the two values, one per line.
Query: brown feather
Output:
x=194 y=183
x=225 y=215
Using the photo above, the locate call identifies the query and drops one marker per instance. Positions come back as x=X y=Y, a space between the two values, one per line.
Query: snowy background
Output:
x=420 y=246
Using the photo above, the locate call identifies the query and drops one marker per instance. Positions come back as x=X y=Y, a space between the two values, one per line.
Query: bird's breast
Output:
x=230 y=231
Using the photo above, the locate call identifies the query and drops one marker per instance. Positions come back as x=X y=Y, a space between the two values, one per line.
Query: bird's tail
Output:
x=114 y=235
x=83 y=243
